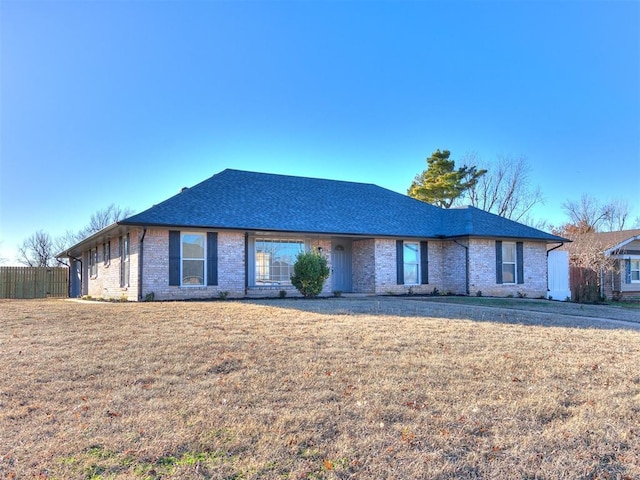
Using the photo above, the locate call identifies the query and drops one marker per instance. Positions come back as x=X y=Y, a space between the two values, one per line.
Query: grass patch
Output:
x=629 y=305
x=628 y=311
x=300 y=390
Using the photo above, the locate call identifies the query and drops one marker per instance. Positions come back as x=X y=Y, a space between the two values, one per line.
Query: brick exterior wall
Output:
x=156 y=268
x=447 y=269
x=482 y=270
x=106 y=284
x=386 y=270
x=454 y=267
x=364 y=267
x=374 y=269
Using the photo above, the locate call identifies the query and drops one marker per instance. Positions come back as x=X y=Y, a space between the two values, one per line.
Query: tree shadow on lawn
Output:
x=527 y=313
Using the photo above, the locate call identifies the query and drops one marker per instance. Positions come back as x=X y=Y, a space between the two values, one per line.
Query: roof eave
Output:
x=617 y=247
x=76 y=249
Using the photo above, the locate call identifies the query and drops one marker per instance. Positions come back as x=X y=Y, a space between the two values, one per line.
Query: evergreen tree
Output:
x=441 y=183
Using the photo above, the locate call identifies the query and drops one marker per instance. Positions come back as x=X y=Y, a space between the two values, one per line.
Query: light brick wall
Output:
x=156 y=268
x=482 y=270
x=386 y=270
x=364 y=266
x=106 y=284
x=454 y=267
x=436 y=265
x=374 y=269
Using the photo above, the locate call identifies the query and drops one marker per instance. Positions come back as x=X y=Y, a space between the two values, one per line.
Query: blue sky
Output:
x=127 y=102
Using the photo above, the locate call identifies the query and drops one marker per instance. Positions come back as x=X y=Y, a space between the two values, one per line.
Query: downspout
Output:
x=246 y=263
x=141 y=263
x=466 y=264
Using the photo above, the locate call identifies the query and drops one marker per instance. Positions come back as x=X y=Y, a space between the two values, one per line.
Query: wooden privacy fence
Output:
x=585 y=285
x=34 y=282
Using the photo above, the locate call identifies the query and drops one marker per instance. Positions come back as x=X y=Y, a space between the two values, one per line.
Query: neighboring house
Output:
x=605 y=265
x=239 y=232
x=622 y=280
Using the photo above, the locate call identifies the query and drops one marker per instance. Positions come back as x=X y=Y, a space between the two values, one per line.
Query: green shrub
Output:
x=282 y=294
x=309 y=273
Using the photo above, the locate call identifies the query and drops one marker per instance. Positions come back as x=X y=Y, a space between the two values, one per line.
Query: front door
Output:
x=341 y=265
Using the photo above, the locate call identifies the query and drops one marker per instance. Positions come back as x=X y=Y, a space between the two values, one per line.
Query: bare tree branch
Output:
x=617 y=213
x=37 y=250
x=586 y=215
x=103 y=218
x=505 y=189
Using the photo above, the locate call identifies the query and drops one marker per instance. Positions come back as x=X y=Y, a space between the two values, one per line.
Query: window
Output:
x=193 y=258
x=635 y=270
x=411 y=263
x=124 y=261
x=93 y=262
x=274 y=260
x=508 y=262
x=106 y=253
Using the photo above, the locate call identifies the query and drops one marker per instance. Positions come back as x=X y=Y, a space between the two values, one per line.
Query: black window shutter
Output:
x=174 y=257
x=400 y=262
x=498 y=261
x=627 y=271
x=520 y=261
x=424 y=263
x=212 y=258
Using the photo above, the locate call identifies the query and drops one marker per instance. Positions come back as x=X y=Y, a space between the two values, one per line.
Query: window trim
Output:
x=93 y=262
x=106 y=253
x=125 y=261
x=520 y=261
x=514 y=263
x=631 y=270
x=252 y=263
x=416 y=264
x=203 y=259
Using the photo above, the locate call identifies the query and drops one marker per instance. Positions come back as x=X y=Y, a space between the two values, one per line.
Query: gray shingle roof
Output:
x=476 y=222
x=234 y=199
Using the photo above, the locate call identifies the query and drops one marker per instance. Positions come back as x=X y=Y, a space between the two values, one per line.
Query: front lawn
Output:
x=274 y=389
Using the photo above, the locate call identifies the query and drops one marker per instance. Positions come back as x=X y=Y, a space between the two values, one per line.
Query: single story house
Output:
x=619 y=272
x=238 y=234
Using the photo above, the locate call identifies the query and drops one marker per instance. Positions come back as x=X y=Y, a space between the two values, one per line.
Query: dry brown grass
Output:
x=278 y=389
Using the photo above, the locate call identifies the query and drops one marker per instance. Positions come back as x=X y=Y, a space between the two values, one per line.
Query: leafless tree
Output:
x=37 y=250
x=586 y=215
x=586 y=254
x=617 y=214
x=590 y=215
x=505 y=189
x=103 y=218
x=537 y=223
